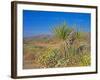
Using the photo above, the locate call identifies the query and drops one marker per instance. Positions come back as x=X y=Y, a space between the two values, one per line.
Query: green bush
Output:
x=62 y=62
x=85 y=60
x=49 y=58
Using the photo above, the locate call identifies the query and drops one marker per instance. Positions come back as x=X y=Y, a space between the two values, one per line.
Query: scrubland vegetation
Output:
x=65 y=47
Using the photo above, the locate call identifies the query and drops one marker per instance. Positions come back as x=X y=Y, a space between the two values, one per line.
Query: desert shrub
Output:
x=71 y=60
x=49 y=57
x=62 y=62
x=83 y=49
x=85 y=60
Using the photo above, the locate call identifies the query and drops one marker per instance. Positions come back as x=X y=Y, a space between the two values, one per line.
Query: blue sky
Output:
x=41 y=22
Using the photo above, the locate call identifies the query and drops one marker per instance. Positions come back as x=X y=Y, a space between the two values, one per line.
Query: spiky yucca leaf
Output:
x=61 y=31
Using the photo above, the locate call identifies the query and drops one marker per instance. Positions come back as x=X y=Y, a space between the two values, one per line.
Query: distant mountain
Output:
x=37 y=37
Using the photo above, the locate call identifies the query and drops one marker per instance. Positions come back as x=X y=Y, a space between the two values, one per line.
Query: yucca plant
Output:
x=62 y=31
